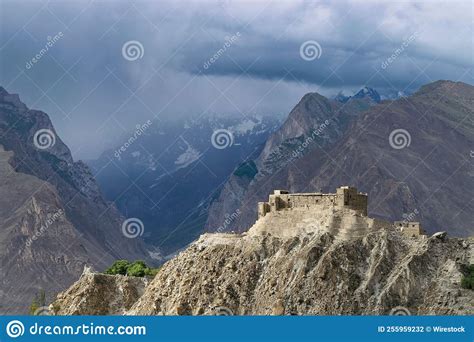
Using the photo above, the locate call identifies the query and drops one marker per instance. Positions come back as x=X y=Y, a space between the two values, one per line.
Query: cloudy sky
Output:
x=110 y=65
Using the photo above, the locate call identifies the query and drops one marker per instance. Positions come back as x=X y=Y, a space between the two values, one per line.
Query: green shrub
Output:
x=118 y=267
x=135 y=269
x=38 y=301
x=467 y=281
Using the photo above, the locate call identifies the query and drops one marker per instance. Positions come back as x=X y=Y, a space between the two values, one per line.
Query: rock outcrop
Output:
x=100 y=294
x=306 y=261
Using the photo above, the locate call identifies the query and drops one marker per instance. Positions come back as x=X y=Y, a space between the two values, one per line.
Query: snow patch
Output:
x=188 y=157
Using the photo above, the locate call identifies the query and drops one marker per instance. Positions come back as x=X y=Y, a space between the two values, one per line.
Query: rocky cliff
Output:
x=53 y=218
x=100 y=294
x=304 y=262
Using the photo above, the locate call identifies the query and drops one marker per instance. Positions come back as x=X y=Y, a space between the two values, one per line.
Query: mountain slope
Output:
x=53 y=217
x=169 y=175
x=430 y=180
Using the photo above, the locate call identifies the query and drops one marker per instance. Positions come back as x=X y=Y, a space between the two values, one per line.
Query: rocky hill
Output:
x=324 y=261
x=412 y=154
x=53 y=218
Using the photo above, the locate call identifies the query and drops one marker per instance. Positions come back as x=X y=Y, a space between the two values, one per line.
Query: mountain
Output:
x=365 y=93
x=306 y=260
x=412 y=154
x=170 y=173
x=53 y=217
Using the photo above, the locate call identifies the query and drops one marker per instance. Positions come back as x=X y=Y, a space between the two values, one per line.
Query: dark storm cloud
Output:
x=224 y=57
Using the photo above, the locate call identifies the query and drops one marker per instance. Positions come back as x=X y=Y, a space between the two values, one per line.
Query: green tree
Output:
x=118 y=267
x=137 y=269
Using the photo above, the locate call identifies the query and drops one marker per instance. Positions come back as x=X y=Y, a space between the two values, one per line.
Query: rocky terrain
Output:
x=428 y=177
x=297 y=262
x=53 y=218
x=100 y=294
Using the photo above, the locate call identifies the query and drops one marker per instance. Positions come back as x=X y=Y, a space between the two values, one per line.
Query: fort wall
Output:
x=410 y=229
x=345 y=197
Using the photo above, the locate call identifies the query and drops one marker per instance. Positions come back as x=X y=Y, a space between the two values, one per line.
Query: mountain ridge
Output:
x=41 y=181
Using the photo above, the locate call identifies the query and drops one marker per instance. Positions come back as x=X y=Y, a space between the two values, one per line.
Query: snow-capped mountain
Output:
x=365 y=93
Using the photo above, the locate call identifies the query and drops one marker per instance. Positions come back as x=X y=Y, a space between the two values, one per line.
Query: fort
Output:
x=297 y=206
x=345 y=197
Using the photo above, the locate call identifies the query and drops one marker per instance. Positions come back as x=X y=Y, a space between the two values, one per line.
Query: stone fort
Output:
x=345 y=197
